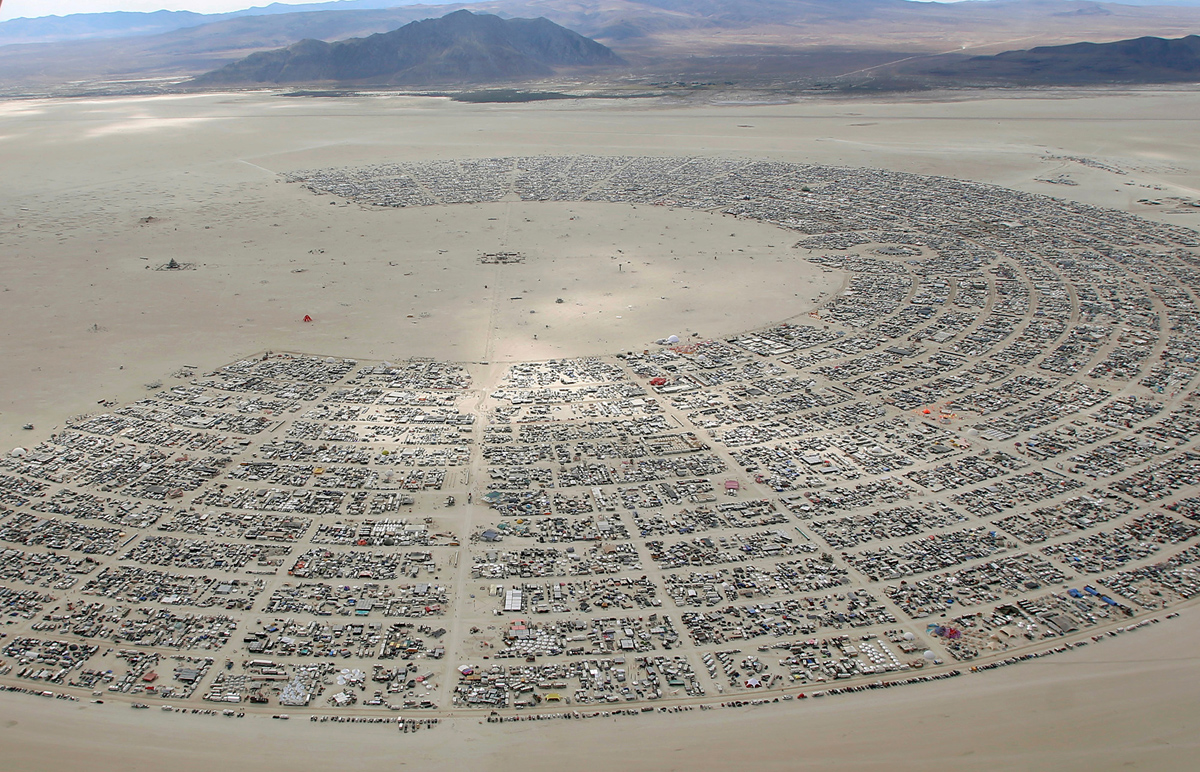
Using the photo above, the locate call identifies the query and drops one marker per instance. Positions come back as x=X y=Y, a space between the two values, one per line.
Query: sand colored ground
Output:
x=1124 y=703
x=83 y=317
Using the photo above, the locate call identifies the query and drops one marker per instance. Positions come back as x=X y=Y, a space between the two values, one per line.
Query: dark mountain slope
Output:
x=749 y=42
x=1141 y=60
x=460 y=47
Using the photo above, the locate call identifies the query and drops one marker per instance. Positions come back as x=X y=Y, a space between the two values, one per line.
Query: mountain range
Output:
x=461 y=47
x=90 y=26
x=1141 y=60
x=759 y=43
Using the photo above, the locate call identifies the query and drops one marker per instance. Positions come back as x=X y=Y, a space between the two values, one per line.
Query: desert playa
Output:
x=1124 y=703
x=102 y=191
x=707 y=465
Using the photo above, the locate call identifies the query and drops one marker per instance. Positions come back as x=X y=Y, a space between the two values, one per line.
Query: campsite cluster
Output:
x=984 y=447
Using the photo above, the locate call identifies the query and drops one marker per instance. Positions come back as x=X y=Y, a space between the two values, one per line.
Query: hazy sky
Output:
x=11 y=9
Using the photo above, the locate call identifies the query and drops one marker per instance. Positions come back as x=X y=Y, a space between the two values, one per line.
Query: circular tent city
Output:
x=979 y=446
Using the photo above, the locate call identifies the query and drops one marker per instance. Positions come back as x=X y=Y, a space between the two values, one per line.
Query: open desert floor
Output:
x=97 y=193
x=1127 y=703
x=86 y=318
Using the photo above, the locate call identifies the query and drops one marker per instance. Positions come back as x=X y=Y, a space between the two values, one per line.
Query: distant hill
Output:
x=756 y=43
x=94 y=26
x=641 y=15
x=88 y=26
x=461 y=47
x=1141 y=60
x=618 y=19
